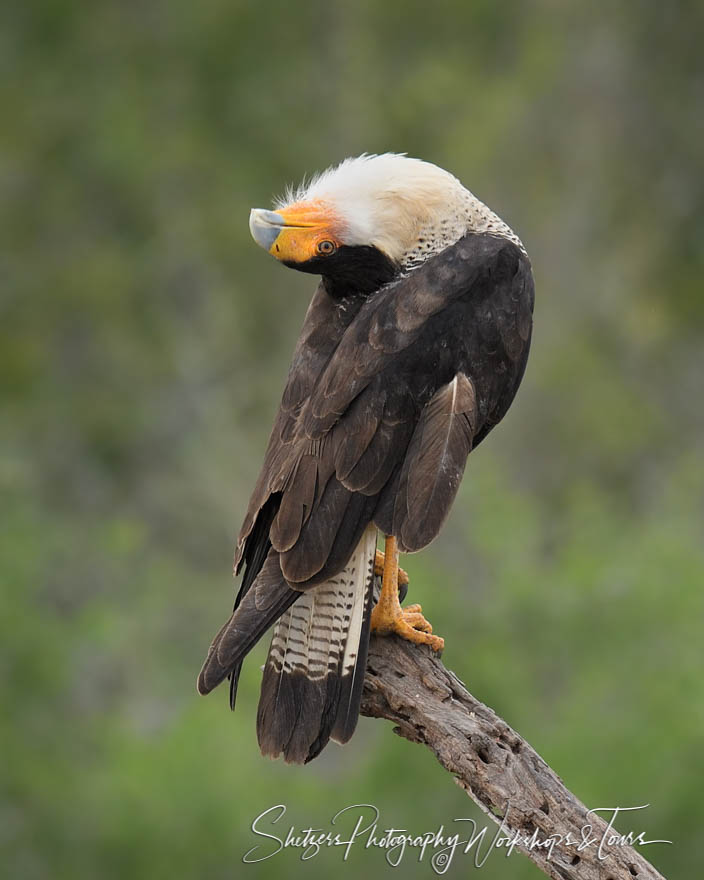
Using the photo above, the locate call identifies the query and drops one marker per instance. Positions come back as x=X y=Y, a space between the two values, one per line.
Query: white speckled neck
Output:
x=465 y=214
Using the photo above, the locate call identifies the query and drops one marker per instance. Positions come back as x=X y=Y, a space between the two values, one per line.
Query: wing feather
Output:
x=435 y=463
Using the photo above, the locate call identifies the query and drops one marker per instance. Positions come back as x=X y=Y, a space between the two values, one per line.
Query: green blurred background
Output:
x=144 y=340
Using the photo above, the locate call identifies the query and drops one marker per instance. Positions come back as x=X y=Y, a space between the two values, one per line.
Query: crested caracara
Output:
x=411 y=350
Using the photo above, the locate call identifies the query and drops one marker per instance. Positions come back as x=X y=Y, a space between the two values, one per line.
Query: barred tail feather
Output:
x=354 y=662
x=313 y=677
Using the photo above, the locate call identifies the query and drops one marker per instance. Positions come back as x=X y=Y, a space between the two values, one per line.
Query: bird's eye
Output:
x=326 y=247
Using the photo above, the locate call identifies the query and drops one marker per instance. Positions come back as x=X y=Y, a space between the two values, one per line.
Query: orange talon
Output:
x=388 y=616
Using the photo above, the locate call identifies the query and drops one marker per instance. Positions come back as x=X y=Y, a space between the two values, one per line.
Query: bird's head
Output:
x=362 y=222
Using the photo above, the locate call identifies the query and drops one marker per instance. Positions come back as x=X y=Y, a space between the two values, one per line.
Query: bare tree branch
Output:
x=409 y=685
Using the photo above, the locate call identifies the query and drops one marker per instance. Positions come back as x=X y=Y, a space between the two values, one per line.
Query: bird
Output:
x=412 y=349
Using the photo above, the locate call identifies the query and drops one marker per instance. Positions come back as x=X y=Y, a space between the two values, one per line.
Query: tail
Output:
x=313 y=677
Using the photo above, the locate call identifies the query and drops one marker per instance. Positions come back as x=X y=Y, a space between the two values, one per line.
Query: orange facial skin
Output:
x=309 y=230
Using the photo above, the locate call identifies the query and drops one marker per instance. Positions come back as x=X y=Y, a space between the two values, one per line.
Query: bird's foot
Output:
x=379 y=569
x=408 y=623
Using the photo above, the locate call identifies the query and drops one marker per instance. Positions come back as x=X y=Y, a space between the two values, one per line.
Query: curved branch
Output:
x=409 y=685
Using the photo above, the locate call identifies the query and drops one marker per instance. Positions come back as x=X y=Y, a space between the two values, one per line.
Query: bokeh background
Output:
x=144 y=341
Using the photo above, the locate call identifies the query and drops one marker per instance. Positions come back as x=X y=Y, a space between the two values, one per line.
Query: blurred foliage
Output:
x=143 y=345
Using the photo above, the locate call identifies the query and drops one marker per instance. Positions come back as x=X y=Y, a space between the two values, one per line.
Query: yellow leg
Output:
x=388 y=616
x=379 y=569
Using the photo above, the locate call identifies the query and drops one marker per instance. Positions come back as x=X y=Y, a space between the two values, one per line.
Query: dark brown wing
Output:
x=285 y=467
x=322 y=330
x=364 y=422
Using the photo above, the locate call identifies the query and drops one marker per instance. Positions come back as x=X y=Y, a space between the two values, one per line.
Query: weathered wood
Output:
x=408 y=685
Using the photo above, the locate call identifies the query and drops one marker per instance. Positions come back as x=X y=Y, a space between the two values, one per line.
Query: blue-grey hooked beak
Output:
x=265 y=226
